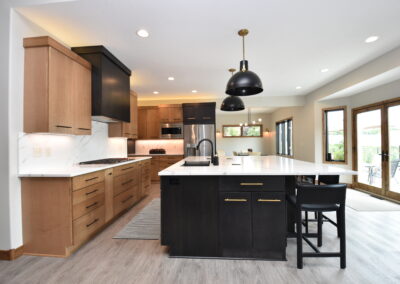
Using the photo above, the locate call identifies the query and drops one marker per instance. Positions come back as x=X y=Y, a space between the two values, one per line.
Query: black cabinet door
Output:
x=190 y=115
x=199 y=113
x=235 y=220
x=206 y=113
x=269 y=221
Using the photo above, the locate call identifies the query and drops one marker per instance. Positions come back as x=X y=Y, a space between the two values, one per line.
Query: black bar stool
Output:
x=320 y=198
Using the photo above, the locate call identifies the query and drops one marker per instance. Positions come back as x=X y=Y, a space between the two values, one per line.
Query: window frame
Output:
x=241 y=130
x=324 y=134
x=277 y=142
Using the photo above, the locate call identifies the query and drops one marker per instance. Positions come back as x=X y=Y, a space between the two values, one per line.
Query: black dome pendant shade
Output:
x=244 y=82
x=232 y=103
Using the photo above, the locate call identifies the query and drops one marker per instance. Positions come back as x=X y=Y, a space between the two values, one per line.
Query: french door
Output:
x=376 y=148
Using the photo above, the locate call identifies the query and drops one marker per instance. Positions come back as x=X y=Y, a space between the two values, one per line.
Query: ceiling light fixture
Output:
x=156 y=92
x=371 y=39
x=194 y=91
x=171 y=78
x=232 y=103
x=244 y=82
x=298 y=87
x=324 y=70
x=142 y=33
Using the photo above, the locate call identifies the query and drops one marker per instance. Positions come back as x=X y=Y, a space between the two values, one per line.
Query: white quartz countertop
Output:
x=73 y=171
x=145 y=155
x=254 y=165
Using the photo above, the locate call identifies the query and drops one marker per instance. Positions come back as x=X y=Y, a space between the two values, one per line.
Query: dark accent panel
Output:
x=235 y=220
x=269 y=221
x=252 y=183
x=199 y=113
x=170 y=195
x=290 y=184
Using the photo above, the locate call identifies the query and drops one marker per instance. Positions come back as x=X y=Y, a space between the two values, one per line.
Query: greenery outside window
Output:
x=284 y=137
x=334 y=121
x=232 y=131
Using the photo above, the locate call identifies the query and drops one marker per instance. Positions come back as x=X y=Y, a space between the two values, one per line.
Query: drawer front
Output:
x=88 y=192
x=125 y=169
x=88 y=205
x=252 y=184
x=146 y=170
x=125 y=182
x=87 y=225
x=86 y=180
x=125 y=200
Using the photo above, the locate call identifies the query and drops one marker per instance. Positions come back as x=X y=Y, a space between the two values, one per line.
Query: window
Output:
x=284 y=140
x=232 y=131
x=334 y=134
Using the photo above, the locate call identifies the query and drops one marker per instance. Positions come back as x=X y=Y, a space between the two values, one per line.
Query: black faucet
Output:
x=214 y=160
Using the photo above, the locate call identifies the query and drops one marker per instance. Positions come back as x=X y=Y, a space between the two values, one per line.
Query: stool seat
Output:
x=314 y=207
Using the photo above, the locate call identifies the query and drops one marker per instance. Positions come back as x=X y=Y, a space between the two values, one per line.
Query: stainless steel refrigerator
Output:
x=193 y=133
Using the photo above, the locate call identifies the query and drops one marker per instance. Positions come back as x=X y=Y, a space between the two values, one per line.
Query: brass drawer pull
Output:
x=130 y=196
x=126 y=169
x=129 y=181
x=81 y=128
x=206 y=117
x=268 y=200
x=63 y=126
x=251 y=183
x=90 y=224
x=191 y=118
x=91 y=179
x=235 y=200
x=91 y=205
x=93 y=191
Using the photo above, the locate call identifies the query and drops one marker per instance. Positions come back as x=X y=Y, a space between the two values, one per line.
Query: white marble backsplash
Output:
x=171 y=146
x=52 y=151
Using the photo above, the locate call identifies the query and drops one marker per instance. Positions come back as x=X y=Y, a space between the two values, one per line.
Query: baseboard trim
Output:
x=11 y=254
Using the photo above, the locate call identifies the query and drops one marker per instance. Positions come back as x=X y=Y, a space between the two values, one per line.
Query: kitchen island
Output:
x=234 y=210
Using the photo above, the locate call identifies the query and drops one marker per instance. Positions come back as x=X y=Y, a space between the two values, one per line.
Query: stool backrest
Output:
x=328 y=179
x=321 y=194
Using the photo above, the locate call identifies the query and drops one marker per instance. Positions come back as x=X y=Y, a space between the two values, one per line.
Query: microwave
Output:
x=171 y=130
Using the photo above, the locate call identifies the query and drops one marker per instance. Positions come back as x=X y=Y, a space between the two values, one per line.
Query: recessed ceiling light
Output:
x=171 y=78
x=156 y=92
x=371 y=39
x=142 y=33
x=324 y=70
x=194 y=91
x=298 y=87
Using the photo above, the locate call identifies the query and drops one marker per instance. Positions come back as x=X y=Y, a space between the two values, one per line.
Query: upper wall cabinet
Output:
x=149 y=122
x=57 y=89
x=126 y=129
x=170 y=113
x=199 y=113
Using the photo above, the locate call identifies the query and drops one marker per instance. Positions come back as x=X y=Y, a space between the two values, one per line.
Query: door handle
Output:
x=235 y=200
x=268 y=200
x=251 y=183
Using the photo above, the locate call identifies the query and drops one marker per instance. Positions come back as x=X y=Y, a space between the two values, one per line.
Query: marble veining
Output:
x=254 y=165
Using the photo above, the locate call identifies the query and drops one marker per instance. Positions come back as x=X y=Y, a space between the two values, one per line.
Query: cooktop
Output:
x=106 y=161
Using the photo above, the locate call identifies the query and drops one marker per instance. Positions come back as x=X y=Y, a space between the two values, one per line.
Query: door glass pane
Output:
x=335 y=135
x=394 y=148
x=369 y=148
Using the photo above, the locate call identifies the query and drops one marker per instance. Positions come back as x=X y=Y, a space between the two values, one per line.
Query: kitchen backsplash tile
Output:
x=171 y=146
x=61 y=151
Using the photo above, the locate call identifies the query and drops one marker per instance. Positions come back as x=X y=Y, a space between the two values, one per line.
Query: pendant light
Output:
x=232 y=103
x=244 y=82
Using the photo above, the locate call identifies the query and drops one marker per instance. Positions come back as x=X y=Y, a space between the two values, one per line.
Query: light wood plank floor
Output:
x=373 y=256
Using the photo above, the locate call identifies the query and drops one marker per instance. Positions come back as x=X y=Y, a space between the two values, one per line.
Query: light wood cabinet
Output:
x=159 y=163
x=149 y=122
x=170 y=113
x=125 y=129
x=61 y=214
x=57 y=89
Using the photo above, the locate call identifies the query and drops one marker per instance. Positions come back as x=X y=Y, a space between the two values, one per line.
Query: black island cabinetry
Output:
x=224 y=216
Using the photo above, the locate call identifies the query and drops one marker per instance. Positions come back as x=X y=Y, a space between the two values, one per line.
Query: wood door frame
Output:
x=383 y=106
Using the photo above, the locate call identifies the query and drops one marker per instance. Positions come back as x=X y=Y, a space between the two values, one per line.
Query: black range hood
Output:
x=110 y=84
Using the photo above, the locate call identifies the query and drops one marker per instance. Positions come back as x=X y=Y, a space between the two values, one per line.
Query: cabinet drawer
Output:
x=250 y=183
x=88 y=192
x=87 y=206
x=87 y=225
x=125 y=200
x=124 y=182
x=125 y=168
x=86 y=180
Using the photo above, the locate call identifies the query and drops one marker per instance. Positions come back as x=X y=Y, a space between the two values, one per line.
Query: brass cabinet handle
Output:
x=91 y=205
x=123 y=201
x=63 y=126
x=251 y=183
x=235 y=200
x=81 y=128
x=206 y=117
x=126 y=168
x=191 y=118
x=268 y=200
x=93 y=191
x=129 y=181
x=91 y=179
x=90 y=224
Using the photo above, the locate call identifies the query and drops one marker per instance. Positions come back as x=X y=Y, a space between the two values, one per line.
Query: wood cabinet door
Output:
x=175 y=114
x=134 y=115
x=155 y=168
x=126 y=130
x=269 y=220
x=61 y=102
x=153 y=123
x=142 y=123
x=235 y=220
x=82 y=99
x=164 y=113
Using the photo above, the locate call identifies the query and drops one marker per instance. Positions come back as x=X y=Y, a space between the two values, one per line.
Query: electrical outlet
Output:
x=37 y=152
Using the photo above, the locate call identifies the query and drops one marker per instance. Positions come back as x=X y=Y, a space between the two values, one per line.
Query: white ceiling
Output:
x=197 y=41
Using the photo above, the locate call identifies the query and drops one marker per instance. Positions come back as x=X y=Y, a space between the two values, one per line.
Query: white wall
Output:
x=258 y=144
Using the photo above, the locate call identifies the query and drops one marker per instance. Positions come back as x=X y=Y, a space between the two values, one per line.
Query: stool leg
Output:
x=319 y=232
x=306 y=220
x=342 y=237
x=299 y=240
x=338 y=223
